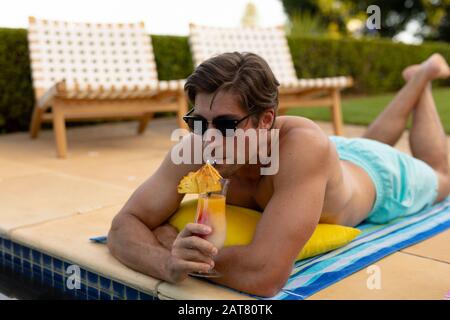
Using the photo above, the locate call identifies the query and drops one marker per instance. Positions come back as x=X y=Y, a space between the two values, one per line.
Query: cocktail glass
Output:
x=211 y=212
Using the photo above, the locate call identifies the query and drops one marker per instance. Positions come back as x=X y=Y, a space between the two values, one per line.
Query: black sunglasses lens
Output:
x=197 y=125
x=225 y=126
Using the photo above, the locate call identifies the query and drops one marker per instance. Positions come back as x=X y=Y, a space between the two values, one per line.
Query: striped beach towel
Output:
x=375 y=242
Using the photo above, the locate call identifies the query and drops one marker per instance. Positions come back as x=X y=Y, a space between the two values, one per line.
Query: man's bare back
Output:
x=349 y=194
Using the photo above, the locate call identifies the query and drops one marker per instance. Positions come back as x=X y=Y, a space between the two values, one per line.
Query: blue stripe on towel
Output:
x=100 y=239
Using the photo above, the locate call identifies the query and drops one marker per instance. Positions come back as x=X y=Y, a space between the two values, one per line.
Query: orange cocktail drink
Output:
x=212 y=190
x=211 y=212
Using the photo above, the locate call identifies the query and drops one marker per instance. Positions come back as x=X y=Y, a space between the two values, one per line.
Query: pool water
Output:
x=14 y=286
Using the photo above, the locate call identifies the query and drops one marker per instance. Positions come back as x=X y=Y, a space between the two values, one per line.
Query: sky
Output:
x=160 y=16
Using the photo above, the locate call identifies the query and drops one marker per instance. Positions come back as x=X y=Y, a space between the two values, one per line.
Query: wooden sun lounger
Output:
x=85 y=71
x=271 y=44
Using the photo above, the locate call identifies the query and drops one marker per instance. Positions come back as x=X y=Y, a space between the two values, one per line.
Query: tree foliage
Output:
x=433 y=16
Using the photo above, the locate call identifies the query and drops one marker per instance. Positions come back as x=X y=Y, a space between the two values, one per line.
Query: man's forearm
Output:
x=135 y=245
x=241 y=271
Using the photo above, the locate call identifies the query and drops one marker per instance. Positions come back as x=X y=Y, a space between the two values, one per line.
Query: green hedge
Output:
x=375 y=65
x=173 y=57
x=16 y=93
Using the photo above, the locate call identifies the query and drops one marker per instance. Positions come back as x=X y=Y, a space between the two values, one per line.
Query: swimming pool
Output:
x=16 y=287
x=48 y=276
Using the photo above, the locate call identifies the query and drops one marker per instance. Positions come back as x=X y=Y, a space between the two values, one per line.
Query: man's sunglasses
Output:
x=225 y=125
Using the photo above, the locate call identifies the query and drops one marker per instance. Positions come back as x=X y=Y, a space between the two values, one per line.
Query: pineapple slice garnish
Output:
x=206 y=179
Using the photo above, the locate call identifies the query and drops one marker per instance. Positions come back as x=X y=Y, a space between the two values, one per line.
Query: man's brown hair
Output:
x=246 y=75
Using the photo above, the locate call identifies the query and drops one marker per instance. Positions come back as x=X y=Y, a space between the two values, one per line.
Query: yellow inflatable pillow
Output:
x=241 y=225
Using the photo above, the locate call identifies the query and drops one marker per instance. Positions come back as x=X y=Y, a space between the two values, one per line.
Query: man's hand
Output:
x=190 y=253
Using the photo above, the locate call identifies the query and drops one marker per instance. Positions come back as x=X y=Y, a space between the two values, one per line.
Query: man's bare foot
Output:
x=435 y=67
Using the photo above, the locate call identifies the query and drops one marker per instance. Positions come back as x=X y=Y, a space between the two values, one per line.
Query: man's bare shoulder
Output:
x=301 y=135
x=304 y=146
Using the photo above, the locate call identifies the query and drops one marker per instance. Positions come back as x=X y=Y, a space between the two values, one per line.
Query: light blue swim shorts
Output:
x=404 y=185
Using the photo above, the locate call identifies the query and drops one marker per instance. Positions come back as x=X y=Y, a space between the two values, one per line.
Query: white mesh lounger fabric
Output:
x=96 y=70
x=271 y=44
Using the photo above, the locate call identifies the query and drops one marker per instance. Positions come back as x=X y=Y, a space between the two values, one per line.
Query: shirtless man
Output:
x=320 y=179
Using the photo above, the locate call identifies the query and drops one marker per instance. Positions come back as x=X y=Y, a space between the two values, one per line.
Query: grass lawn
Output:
x=363 y=110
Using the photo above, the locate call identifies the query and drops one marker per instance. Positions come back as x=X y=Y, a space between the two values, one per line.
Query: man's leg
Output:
x=427 y=137
x=391 y=123
x=428 y=141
